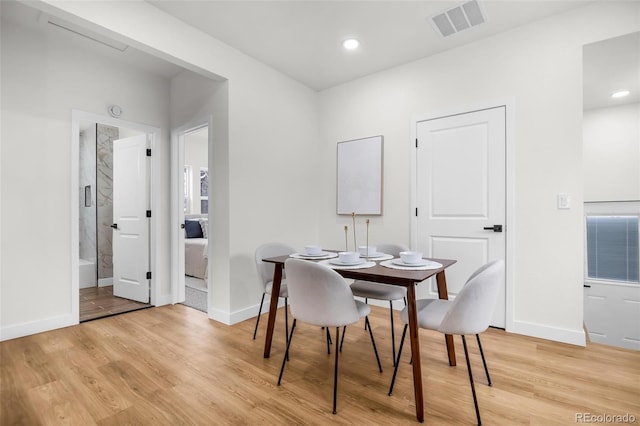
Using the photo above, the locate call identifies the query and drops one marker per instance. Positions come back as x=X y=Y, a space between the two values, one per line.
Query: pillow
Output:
x=192 y=229
x=204 y=226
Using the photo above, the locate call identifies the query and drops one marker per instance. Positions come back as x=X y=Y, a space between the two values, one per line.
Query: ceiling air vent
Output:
x=459 y=18
x=76 y=29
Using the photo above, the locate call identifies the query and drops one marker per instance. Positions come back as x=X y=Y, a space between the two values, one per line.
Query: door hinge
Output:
x=416 y=211
x=416 y=142
x=148 y=213
x=149 y=275
x=148 y=152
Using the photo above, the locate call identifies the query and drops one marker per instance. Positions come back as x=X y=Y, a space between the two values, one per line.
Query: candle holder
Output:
x=346 y=238
x=353 y=217
x=367 y=238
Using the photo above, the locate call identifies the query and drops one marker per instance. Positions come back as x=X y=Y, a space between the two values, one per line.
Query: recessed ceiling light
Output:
x=351 y=44
x=620 y=94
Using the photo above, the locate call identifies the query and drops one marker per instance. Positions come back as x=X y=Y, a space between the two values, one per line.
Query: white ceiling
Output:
x=303 y=38
x=309 y=48
x=609 y=66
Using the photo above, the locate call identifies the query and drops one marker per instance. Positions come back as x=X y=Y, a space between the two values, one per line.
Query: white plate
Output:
x=324 y=253
x=399 y=262
x=373 y=256
x=338 y=263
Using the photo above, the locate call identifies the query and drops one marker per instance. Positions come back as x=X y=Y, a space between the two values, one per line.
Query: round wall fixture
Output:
x=115 y=111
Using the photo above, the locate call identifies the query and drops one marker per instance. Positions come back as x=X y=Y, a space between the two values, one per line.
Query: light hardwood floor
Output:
x=171 y=365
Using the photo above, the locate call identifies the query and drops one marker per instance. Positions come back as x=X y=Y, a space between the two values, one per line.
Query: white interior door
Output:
x=131 y=225
x=460 y=191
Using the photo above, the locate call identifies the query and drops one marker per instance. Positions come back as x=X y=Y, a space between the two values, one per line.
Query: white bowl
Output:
x=313 y=250
x=411 y=256
x=349 y=257
x=367 y=251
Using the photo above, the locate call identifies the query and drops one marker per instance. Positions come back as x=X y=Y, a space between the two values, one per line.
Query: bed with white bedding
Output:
x=195 y=257
x=195 y=246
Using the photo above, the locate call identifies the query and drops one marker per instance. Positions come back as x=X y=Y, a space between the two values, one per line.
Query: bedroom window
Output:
x=187 y=189
x=612 y=248
x=204 y=190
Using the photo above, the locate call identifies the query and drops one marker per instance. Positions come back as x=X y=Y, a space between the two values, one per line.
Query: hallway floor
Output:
x=99 y=302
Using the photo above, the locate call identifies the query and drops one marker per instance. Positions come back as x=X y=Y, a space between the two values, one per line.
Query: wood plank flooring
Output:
x=173 y=366
x=99 y=302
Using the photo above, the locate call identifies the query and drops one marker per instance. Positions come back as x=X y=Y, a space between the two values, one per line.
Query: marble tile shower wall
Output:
x=104 y=193
x=96 y=171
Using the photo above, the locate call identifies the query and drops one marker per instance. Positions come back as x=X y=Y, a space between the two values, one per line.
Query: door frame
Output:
x=510 y=158
x=153 y=135
x=177 y=213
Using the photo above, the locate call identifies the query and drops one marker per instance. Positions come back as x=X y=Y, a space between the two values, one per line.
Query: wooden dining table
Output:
x=381 y=274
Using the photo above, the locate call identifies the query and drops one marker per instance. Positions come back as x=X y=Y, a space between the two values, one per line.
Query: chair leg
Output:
x=258 y=319
x=373 y=342
x=486 y=369
x=286 y=352
x=335 y=373
x=366 y=300
x=344 y=331
x=286 y=324
x=397 y=360
x=328 y=341
x=473 y=389
x=393 y=335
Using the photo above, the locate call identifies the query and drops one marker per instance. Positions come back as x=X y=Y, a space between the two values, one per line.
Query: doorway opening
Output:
x=96 y=265
x=194 y=253
x=112 y=256
x=611 y=148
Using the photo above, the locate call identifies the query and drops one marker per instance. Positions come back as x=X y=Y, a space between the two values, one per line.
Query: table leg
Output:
x=415 y=351
x=441 y=280
x=273 y=308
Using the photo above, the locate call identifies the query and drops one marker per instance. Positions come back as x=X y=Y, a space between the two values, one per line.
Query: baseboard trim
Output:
x=231 y=318
x=562 y=335
x=34 y=327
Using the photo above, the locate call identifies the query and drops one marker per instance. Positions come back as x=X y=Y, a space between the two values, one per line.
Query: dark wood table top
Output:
x=382 y=274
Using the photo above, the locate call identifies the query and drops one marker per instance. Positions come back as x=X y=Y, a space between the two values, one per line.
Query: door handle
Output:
x=114 y=226
x=494 y=228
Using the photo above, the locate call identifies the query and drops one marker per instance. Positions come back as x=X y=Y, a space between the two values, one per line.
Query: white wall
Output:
x=612 y=153
x=539 y=66
x=42 y=81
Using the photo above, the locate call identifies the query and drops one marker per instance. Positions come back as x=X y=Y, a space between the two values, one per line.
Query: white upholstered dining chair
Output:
x=319 y=296
x=469 y=313
x=265 y=274
x=379 y=291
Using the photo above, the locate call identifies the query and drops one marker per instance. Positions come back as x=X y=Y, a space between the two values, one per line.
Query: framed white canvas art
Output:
x=359 y=176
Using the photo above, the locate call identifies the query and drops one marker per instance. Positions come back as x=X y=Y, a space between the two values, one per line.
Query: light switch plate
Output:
x=564 y=201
